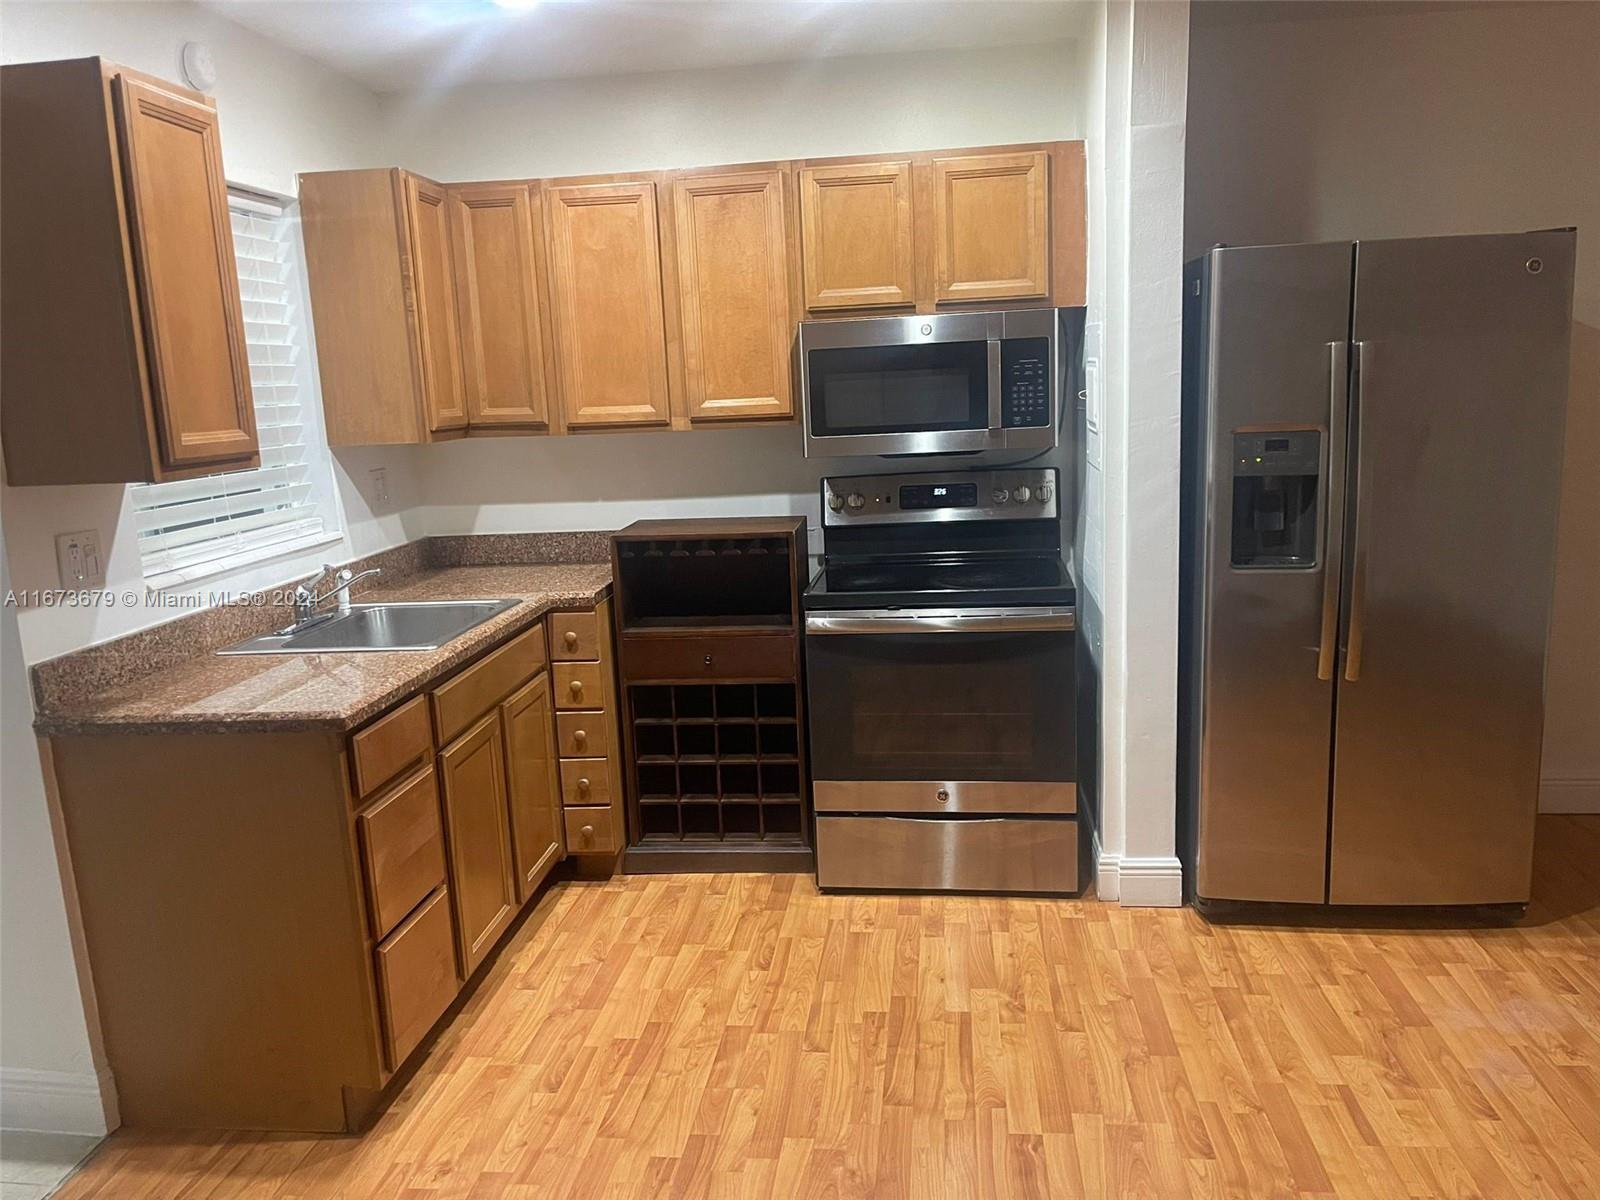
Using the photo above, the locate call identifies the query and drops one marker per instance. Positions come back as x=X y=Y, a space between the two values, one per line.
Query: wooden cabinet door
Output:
x=188 y=280
x=605 y=288
x=502 y=343
x=855 y=235
x=431 y=292
x=991 y=232
x=472 y=769
x=733 y=281
x=536 y=834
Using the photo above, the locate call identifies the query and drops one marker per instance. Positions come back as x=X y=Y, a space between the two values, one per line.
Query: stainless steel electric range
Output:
x=939 y=672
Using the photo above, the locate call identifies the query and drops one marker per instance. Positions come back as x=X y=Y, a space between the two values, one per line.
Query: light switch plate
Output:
x=78 y=560
x=380 y=485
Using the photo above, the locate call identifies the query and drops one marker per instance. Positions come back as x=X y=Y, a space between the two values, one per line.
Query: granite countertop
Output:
x=277 y=693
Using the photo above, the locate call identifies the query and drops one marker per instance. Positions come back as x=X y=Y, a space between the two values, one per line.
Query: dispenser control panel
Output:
x=1281 y=452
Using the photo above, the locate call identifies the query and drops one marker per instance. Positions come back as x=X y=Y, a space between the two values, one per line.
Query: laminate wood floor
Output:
x=744 y=1036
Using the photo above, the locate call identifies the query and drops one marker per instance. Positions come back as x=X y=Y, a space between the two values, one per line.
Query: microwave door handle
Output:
x=994 y=385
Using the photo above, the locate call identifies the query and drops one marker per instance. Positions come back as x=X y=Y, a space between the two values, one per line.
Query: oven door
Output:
x=902 y=385
x=965 y=711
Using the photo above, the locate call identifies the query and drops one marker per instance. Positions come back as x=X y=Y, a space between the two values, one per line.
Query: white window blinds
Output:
x=192 y=528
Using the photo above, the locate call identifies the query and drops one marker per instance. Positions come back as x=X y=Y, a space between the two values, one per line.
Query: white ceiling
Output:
x=407 y=45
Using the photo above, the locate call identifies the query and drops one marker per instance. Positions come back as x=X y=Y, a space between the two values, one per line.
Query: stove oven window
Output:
x=966 y=706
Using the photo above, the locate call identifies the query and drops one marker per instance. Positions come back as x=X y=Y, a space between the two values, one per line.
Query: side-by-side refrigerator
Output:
x=1371 y=471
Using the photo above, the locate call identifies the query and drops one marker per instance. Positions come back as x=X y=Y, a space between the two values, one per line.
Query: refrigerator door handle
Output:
x=1333 y=505
x=1358 y=572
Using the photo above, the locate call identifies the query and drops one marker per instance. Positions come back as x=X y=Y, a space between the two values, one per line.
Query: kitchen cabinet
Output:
x=708 y=622
x=991 y=235
x=856 y=235
x=473 y=773
x=605 y=293
x=125 y=355
x=379 y=265
x=496 y=243
x=733 y=284
x=584 y=698
x=535 y=800
x=321 y=913
x=665 y=300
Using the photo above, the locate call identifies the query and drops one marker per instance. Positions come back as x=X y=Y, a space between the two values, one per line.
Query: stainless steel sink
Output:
x=425 y=625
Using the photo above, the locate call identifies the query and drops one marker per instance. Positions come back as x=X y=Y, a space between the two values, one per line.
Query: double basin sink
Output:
x=422 y=625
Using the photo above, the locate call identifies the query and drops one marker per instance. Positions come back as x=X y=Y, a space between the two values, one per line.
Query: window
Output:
x=192 y=528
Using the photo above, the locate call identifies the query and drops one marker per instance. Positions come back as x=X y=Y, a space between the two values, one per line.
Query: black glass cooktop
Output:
x=951 y=582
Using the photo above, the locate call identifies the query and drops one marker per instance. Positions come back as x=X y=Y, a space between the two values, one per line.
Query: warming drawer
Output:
x=954 y=854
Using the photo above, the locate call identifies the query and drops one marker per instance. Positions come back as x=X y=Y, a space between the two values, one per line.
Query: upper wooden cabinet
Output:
x=733 y=286
x=991 y=230
x=605 y=290
x=666 y=299
x=125 y=355
x=856 y=235
x=497 y=288
x=383 y=303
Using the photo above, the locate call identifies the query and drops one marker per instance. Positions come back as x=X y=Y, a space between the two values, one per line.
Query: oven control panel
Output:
x=1003 y=494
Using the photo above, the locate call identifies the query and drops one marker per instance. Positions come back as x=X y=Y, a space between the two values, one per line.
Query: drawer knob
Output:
x=579 y=737
x=708 y=660
x=587 y=833
x=944 y=795
x=583 y=785
x=571 y=639
x=576 y=687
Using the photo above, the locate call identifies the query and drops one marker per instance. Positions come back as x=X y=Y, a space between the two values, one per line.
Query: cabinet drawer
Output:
x=591 y=831
x=941 y=854
x=574 y=636
x=764 y=656
x=579 y=734
x=391 y=744
x=466 y=697
x=416 y=977
x=585 y=781
x=580 y=685
x=402 y=849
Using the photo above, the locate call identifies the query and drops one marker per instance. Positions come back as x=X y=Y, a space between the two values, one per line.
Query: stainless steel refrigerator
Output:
x=1371 y=469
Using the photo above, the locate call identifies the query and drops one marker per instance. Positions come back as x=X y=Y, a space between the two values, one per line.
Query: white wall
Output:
x=1401 y=120
x=281 y=113
x=1136 y=294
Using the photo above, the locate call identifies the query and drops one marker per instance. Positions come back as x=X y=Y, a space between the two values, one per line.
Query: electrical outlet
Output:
x=78 y=560
x=380 y=485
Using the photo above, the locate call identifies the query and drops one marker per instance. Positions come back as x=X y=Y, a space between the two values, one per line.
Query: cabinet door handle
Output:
x=571 y=639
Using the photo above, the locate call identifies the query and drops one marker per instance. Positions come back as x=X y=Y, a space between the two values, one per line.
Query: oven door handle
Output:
x=889 y=621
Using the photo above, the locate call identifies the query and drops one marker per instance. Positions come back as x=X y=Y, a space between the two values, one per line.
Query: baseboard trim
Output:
x=1152 y=882
x=57 y=1101
x=1569 y=795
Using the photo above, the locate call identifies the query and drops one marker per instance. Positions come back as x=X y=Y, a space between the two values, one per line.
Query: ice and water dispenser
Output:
x=1275 y=493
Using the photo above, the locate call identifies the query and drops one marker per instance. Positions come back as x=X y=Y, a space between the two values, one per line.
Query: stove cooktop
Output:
x=942 y=583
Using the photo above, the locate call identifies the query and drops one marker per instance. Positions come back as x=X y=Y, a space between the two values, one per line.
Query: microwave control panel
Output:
x=1024 y=383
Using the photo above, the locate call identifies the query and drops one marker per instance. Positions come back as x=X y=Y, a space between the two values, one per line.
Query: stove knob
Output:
x=1022 y=494
x=1043 y=493
x=835 y=501
x=1001 y=495
x=856 y=500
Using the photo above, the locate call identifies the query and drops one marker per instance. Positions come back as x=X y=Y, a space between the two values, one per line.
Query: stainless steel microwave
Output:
x=950 y=383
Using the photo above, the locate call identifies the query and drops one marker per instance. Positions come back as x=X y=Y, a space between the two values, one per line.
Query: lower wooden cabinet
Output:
x=417 y=977
x=472 y=769
x=535 y=800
